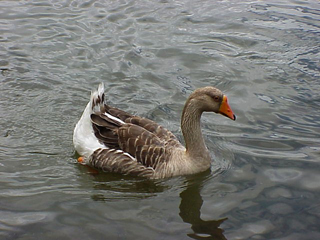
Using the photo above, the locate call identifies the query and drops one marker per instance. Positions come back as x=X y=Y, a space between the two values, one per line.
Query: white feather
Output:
x=84 y=140
x=114 y=118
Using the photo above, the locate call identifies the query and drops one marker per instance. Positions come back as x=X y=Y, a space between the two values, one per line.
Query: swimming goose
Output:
x=112 y=140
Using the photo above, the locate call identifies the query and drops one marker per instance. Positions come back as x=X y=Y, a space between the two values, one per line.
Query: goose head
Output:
x=210 y=99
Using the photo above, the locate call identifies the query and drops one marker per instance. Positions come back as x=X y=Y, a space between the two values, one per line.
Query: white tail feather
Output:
x=84 y=140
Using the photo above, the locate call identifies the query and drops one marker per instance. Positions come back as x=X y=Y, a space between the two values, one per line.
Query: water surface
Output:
x=150 y=55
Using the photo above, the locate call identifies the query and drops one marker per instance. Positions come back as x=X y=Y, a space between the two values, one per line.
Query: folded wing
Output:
x=140 y=138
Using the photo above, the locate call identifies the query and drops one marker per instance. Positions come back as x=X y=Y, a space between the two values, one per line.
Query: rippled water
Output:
x=151 y=54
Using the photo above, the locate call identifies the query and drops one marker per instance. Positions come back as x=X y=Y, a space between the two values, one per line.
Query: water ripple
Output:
x=151 y=55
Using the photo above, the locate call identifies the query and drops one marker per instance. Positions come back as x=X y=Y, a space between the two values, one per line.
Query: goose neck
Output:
x=191 y=130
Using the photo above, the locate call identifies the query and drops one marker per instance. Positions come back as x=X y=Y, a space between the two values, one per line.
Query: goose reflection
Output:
x=190 y=206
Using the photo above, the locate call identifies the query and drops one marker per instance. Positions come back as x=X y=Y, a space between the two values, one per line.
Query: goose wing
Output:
x=113 y=115
x=117 y=161
x=143 y=145
x=167 y=137
x=146 y=141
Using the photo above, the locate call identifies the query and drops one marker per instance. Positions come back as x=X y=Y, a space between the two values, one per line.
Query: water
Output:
x=151 y=54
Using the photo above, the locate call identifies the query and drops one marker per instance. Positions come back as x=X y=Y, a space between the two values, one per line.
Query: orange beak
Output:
x=225 y=109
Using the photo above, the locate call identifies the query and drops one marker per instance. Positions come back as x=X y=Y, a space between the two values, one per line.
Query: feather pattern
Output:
x=115 y=141
x=111 y=160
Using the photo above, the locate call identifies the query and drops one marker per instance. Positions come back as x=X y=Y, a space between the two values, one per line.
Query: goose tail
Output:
x=84 y=139
x=97 y=98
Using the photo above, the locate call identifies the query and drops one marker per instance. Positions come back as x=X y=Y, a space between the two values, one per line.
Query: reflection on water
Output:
x=113 y=187
x=125 y=187
x=190 y=212
x=151 y=55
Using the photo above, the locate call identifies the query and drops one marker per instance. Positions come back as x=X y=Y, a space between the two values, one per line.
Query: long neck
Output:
x=191 y=130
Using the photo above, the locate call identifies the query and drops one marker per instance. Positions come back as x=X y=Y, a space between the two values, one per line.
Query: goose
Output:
x=109 y=139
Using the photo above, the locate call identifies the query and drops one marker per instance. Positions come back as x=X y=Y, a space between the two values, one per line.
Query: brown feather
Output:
x=161 y=132
x=104 y=130
x=145 y=146
x=110 y=160
x=117 y=112
x=142 y=138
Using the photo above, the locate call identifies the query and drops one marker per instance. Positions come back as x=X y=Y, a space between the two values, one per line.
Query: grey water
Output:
x=264 y=55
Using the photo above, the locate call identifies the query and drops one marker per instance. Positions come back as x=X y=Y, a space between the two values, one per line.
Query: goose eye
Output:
x=216 y=98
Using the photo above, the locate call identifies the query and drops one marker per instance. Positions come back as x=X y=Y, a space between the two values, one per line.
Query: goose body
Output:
x=112 y=140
